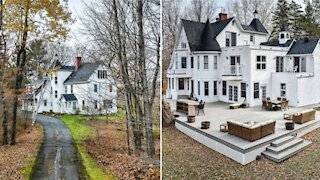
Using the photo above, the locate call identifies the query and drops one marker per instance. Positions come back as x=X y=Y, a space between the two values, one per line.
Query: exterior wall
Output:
x=83 y=92
x=243 y=38
x=298 y=85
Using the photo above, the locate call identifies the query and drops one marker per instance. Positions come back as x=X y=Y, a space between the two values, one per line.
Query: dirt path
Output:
x=58 y=157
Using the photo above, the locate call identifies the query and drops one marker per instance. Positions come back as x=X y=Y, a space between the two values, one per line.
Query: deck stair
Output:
x=285 y=147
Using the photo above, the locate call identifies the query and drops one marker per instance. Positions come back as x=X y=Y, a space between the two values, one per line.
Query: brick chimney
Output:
x=223 y=16
x=78 y=63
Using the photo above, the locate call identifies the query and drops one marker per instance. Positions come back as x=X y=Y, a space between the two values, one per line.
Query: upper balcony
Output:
x=182 y=73
x=232 y=72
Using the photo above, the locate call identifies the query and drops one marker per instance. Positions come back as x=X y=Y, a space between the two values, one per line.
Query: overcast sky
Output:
x=77 y=7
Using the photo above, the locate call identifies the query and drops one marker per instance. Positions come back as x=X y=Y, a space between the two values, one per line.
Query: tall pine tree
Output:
x=295 y=16
x=280 y=17
x=309 y=24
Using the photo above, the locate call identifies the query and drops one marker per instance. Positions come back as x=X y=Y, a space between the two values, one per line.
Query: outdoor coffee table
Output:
x=224 y=127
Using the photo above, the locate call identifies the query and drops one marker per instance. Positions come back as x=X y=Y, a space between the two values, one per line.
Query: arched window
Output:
x=287 y=36
x=281 y=36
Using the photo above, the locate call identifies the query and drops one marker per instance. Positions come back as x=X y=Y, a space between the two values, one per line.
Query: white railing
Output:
x=233 y=70
x=179 y=72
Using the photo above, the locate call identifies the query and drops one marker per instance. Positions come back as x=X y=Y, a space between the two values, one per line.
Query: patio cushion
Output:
x=306 y=111
x=256 y=125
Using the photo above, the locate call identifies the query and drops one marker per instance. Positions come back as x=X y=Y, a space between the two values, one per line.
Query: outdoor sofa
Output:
x=251 y=132
x=304 y=116
x=238 y=104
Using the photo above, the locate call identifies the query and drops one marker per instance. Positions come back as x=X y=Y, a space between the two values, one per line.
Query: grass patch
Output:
x=80 y=132
x=112 y=117
x=28 y=169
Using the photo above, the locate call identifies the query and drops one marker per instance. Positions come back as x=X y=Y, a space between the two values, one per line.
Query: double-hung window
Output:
x=215 y=62
x=205 y=62
x=215 y=89
x=256 y=91
x=283 y=90
x=191 y=62
x=224 y=88
x=206 y=88
x=231 y=39
x=183 y=62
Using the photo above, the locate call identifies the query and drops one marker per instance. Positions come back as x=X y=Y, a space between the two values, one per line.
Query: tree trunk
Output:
x=123 y=71
x=20 y=64
x=146 y=104
x=3 y=52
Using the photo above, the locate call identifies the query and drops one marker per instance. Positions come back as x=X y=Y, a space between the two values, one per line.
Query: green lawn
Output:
x=80 y=132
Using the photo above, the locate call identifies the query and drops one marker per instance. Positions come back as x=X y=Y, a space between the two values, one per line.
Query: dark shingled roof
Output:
x=198 y=33
x=62 y=67
x=83 y=73
x=258 y=26
x=67 y=68
x=276 y=43
x=303 y=46
x=69 y=97
x=208 y=41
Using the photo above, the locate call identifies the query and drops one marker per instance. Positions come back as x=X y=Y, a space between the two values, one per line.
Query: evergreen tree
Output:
x=295 y=15
x=280 y=17
x=316 y=10
x=309 y=24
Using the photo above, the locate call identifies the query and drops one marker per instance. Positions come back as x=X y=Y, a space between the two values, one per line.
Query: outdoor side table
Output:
x=224 y=127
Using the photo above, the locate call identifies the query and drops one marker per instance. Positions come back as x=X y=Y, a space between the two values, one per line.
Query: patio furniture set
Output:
x=249 y=130
x=275 y=105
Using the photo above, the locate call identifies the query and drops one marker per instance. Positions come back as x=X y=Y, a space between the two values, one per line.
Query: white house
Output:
x=226 y=60
x=85 y=88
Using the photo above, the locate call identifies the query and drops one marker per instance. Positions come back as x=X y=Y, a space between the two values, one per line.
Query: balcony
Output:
x=232 y=72
x=183 y=73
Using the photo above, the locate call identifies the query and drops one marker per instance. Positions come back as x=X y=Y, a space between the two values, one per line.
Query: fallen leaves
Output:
x=109 y=149
x=184 y=158
x=14 y=158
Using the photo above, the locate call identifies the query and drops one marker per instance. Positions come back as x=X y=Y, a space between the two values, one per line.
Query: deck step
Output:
x=282 y=140
x=285 y=146
x=287 y=153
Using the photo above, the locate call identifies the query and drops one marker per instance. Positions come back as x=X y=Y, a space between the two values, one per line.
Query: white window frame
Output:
x=261 y=62
x=205 y=62
x=256 y=88
x=283 y=89
x=206 y=88
x=215 y=62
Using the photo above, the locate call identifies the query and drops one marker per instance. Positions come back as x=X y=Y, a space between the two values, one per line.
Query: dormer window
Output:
x=183 y=45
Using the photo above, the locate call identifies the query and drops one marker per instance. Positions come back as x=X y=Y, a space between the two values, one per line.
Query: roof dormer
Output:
x=284 y=35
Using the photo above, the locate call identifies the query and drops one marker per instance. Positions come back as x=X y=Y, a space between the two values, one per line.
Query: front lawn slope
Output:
x=80 y=132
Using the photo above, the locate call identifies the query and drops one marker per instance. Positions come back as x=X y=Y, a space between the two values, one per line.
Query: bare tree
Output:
x=129 y=45
x=243 y=10
x=201 y=10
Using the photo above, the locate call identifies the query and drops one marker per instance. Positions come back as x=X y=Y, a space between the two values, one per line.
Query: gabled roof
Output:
x=257 y=26
x=82 y=74
x=69 y=97
x=208 y=41
x=198 y=33
x=303 y=46
x=276 y=43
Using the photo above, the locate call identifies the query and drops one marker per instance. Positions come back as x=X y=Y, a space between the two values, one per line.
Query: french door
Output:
x=233 y=93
